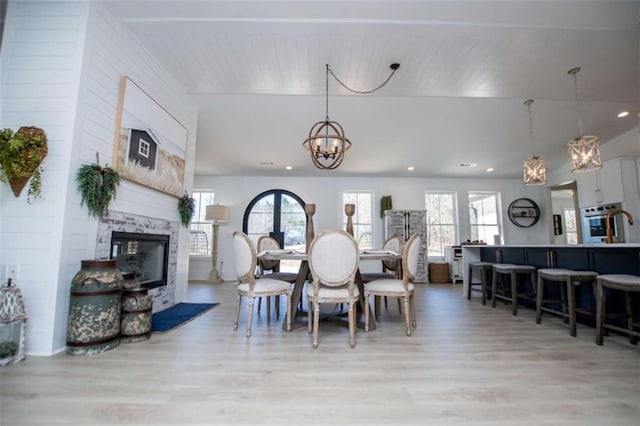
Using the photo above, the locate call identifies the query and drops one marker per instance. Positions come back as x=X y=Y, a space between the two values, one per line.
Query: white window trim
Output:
x=456 y=215
x=499 y=216
x=374 y=210
x=144 y=148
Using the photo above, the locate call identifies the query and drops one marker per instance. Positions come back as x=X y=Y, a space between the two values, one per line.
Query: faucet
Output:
x=612 y=213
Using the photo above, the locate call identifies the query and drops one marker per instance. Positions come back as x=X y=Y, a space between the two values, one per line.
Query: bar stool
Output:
x=485 y=269
x=513 y=271
x=567 y=280
x=627 y=283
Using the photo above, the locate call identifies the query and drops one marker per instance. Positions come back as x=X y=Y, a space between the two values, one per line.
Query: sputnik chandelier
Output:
x=534 y=169
x=584 y=151
x=326 y=141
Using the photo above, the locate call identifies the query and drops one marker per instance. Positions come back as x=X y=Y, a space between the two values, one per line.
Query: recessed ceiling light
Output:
x=623 y=114
x=490 y=169
x=289 y=168
x=469 y=165
x=411 y=168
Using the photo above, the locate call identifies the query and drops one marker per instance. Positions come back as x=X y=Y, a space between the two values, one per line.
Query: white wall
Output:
x=237 y=192
x=42 y=56
x=326 y=193
x=61 y=70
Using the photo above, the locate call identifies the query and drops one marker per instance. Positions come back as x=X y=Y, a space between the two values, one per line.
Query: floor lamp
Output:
x=217 y=214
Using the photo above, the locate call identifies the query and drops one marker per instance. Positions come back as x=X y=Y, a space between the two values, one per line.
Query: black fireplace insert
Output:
x=145 y=255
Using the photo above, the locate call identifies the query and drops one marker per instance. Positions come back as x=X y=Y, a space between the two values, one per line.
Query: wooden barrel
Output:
x=439 y=273
x=94 y=308
x=135 y=322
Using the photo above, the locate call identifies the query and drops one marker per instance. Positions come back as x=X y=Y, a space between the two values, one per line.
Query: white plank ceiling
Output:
x=256 y=72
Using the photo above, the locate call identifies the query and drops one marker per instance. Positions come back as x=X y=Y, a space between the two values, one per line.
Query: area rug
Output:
x=178 y=315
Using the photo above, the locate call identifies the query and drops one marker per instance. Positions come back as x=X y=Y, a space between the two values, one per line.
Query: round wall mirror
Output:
x=523 y=212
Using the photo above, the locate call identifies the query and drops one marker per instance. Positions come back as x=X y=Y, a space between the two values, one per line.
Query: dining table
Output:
x=298 y=315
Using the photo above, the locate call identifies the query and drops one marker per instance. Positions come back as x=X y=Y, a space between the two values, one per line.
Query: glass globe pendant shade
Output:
x=584 y=154
x=534 y=171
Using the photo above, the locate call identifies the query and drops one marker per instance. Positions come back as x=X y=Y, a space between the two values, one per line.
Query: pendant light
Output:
x=534 y=169
x=326 y=141
x=584 y=151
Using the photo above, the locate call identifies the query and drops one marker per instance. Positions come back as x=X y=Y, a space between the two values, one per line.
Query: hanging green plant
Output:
x=385 y=204
x=97 y=187
x=186 y=208
x=21 y=155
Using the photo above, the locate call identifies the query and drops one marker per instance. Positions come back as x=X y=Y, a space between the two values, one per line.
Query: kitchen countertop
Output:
x=592 y=245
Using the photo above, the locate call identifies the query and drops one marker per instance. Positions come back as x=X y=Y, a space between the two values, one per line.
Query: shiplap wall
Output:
x=42 y=55
x=61 y=70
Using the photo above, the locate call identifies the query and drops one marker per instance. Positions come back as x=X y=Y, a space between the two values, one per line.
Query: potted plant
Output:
x=186 y=208
x=21 y=155
x=97 y=186
x=385 y=204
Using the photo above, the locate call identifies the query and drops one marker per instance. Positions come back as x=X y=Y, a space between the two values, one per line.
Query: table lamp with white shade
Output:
x=217 y=214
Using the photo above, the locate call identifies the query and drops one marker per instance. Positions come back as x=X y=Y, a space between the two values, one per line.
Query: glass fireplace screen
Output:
x=146 y=255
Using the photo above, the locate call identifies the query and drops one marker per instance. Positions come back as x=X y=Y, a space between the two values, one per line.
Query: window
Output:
x=483 y=216
x=362 y=219
x=442 y=226
x=200 y=229
x=571 y=226
x=143 y=148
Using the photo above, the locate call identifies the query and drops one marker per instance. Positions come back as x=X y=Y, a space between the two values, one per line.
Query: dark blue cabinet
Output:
x=603 y=260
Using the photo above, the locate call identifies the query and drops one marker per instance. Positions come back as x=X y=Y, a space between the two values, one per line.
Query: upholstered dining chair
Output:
x=333 y=261
x=252 y=287
x=401 y=288
x=271 y=269
x=390 y=269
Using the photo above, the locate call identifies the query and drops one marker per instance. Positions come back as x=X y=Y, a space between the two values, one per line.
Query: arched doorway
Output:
x=278 y=213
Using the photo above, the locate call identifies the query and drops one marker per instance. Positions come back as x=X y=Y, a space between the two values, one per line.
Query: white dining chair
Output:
x=333 y=260
x=390 y=269
x=402 y=288
x=271 y=269
x=252 y=287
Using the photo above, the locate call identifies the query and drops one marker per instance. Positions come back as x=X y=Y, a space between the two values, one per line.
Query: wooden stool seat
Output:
x=513 y=271
x=623 y=282
x=485 y=269
x=567 y=279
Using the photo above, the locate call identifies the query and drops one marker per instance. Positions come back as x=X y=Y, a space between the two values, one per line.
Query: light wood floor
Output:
x=465 y=364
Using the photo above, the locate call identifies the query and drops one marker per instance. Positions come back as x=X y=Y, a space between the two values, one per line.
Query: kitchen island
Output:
x=600 y=258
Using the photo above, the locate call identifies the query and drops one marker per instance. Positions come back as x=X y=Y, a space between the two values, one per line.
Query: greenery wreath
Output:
x=186 y=208
x=97 y=186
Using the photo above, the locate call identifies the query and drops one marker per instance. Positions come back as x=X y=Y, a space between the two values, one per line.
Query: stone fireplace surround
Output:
x=163 y=297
